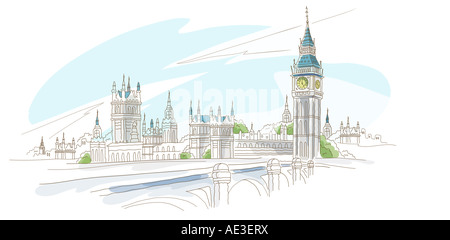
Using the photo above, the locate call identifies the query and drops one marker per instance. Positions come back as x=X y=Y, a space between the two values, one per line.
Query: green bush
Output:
x=207 y=154
x=85 y=159
x=326 y=150
x=289 y=129
x=185 y=155
x=240 y=127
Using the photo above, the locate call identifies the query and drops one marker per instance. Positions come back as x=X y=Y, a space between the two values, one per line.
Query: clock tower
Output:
x=307 y=93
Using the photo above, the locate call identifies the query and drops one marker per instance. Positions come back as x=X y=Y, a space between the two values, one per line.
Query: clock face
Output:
x=302 y=82
x=317 y=84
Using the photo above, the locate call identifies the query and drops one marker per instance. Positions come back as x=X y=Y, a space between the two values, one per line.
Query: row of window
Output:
x=167 y=149
x=264 y=145
x=118 y=109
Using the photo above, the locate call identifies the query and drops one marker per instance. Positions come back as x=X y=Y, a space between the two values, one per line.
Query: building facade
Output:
x=65 y=150
x=307 y=93
x=349 y=135
x=214 y=132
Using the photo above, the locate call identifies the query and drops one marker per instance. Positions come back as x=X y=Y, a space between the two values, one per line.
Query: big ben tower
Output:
x=307 y=93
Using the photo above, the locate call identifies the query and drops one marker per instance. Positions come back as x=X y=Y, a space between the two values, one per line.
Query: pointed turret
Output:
x=96 y=120
x=232 y=109
x=138 y=87
x=128 y=86
x=123 y=83
x=113 y=90
x=327 y=119
x=307 y=49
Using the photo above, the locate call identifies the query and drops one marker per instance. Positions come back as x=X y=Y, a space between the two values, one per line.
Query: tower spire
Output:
x=169 y=102
x=327 y=119
x=232 y=108
x=307 y=19
x=96 y=119
x=123 y=83
x=286 y=104
x=128 y=87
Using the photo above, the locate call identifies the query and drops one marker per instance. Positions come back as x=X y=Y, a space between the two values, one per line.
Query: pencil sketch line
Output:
x=205 y=56
x=155 y=202
x=149 y=199
x=333 y=16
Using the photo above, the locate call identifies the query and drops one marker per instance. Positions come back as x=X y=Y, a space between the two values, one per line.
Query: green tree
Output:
x=290 y=129
x=185 y=155
x=326 y=150
x=85 y=159
x=240 y=127
x=207 y=154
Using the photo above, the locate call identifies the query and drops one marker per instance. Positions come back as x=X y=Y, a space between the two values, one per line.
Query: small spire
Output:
x=138 y=87
x=307 y=19
x=113 y=90
x=348 y=121
x=144 y=117
x=128 y=87
x=327 y=119
x=232 y=108
x=169 y=102
x=151 y=123
x=190 y=109
x=219 y=111
x=286 y=104
x=96 y=119
x=123 y=83
x=198 y=108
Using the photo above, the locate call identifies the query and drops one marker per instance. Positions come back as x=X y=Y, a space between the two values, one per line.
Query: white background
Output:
x=405 y=40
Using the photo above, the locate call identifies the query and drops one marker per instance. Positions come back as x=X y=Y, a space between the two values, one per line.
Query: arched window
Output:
x=112 y=157
x=162 y=155
x=139 y=156
x=301 y=149
x=128 y=157
x=162 y=149
x=306 y=150
x=239 y=145
x=174 y=156
x=134 y=110
x=123 y=157
x=134 y=156
x=157 y=149
x=168 y=157
x=157 y=157
x=173 y=149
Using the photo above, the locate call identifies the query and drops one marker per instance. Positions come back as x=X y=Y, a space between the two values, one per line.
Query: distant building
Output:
x=349 y=135
x=255 y=144
x=98 y=145
x=214 y=132
x=327 y=130
x=63 y=150
x=169 y=124
x=126 y=124
x=42 y=147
